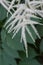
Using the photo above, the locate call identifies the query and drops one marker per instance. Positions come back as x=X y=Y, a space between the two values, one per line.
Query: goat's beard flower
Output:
x=22 y=17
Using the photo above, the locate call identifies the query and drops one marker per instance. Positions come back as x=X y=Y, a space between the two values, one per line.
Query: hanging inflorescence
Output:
x=22 y=16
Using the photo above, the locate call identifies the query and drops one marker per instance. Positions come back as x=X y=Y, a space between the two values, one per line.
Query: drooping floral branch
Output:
x=22 y=17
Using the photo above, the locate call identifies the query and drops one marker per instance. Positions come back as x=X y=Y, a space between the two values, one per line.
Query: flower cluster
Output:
x=22 y=17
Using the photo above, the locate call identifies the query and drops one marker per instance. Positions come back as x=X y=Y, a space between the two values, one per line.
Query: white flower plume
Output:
x=21 y=18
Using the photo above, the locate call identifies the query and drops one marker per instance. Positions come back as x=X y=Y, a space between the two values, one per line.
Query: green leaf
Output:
x=6 y=59
x=29 y=39
x=40 y=30
x=22 y=54
x=29 y=62
x=7 y=54
x=3 y=35
x=12 y=43
x=10 y=51
x=32 y=53
x=41 y=46
x=36 y=19
x=3 y=13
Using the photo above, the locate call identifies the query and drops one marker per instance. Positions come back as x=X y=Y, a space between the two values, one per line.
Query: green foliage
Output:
x=6 y=59
x=3 y=13
x=12 y=52
x=13 y=43
x=29 y=40
x=29 y=62
x=41 y=46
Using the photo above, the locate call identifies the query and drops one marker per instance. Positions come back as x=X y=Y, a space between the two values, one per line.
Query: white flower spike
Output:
x=22 y=17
